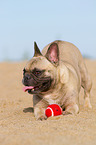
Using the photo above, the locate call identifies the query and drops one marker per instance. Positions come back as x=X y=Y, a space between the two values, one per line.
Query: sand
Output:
x=18 y=125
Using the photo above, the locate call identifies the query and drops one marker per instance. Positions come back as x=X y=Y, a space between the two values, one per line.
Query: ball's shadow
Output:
x=29 y=109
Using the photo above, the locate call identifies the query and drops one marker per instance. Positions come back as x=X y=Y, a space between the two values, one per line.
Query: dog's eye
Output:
x=37 y=72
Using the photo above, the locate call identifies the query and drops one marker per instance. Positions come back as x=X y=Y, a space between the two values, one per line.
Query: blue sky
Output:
x=24 y=21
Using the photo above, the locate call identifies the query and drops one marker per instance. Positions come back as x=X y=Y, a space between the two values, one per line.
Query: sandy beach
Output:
x=18 y=125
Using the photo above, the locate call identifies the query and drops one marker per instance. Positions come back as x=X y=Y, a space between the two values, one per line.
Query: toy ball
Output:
x=53 y=110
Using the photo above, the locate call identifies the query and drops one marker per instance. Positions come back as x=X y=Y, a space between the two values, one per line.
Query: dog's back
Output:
x=68 y=53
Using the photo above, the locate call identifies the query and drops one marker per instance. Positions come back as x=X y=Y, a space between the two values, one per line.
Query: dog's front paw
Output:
x=71 y=109
x=42 y=117
x=39 y=113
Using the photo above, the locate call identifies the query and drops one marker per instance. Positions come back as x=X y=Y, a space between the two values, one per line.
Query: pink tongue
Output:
x=26 y=88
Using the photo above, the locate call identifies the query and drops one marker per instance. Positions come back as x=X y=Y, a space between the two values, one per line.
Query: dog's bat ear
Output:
x=53 y=53
x=36 y=50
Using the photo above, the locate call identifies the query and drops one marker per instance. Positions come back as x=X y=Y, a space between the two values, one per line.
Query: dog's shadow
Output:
x=29 y=109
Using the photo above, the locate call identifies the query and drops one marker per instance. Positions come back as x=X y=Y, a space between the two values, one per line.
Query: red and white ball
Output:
x=53 y=110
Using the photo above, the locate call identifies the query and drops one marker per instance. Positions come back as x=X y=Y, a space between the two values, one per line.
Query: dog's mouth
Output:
x=38 y=88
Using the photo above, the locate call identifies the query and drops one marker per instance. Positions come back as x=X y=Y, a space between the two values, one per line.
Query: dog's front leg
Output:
x=71 y=103
x=39 y=107
x=71 y=109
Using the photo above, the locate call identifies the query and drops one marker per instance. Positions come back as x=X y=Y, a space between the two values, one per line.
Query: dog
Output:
x=56 y=76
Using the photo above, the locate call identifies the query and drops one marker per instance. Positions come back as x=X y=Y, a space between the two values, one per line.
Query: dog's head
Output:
x=39 y=74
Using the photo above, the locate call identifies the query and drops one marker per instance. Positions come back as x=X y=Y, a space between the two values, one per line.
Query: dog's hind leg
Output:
x=86 y=83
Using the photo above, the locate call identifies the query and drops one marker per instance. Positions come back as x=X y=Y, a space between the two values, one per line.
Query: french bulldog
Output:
x=56 y=76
